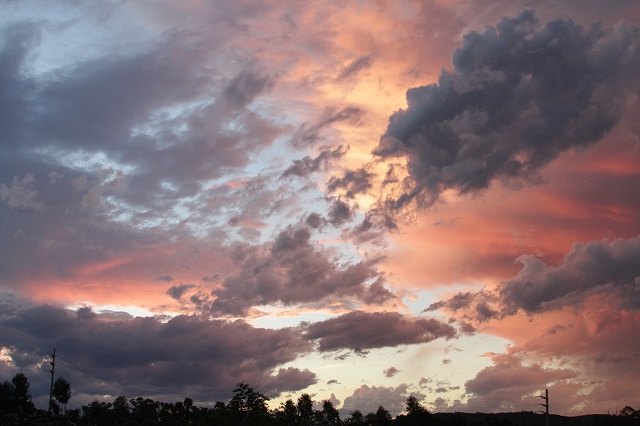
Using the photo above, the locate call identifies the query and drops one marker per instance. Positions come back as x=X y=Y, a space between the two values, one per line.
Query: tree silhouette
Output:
x=288 y=413
x=356 y=418
x=416 y=413
x=62 y=392
x=330 y=415
x=21 y=389
x=246 y=398
x=14 y=396
x=305 y=409
x=383 y=416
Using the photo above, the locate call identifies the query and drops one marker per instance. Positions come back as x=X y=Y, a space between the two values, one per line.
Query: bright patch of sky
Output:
x=84 y=161
x=74 y=34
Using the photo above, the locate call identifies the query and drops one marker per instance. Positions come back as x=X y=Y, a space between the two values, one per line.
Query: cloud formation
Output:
x=176 y=157
x=292 y=270
x=367 y=399
x=501 y=387
x=519 y=95
x=184 y=355
x=359 y=331
x=595 y=267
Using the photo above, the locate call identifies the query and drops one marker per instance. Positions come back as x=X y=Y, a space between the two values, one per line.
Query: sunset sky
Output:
x=358 y=200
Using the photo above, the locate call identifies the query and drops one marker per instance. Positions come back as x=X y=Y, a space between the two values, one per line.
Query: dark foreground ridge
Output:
x=248 y=407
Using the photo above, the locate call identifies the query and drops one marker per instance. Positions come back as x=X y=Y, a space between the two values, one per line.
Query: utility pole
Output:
x=52 y=371
x=546 y=406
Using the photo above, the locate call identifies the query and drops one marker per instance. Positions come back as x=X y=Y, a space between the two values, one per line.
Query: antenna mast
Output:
x=546 y=406
x=52 y=371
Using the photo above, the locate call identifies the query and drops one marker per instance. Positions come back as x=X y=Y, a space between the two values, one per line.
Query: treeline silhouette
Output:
x=248 y=407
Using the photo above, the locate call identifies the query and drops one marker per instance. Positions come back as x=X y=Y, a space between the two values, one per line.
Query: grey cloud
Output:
x=315 y=220
x=339 y=213
x=111 y=315
x=368 y=399
x=245 y=87
x=519 y=95
x=307 y=165
x=390 y=372
x=589 y=268
x=458 y=301
x=146 y=356
x=131 y=139
x=310 y=133
x=293 y=271
x=609 y=266
x=21 y=194
x=496 y=387
x=86 y=312
x=18 y=41
x=108 y=115
x=377 y=294
x=355 y=66
x=177 y=291
x=359 y=331
x=352 y=182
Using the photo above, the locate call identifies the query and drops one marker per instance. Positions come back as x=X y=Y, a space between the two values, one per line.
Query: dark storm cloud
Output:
x=144 y=356
x=359 y=331
x=308 y=134
x=355 y=66
x=86 y=312
x=292 y=271
x=177 y=291
x=609 y=267
x=307 y=165
x=519 y=95
x=588 y=267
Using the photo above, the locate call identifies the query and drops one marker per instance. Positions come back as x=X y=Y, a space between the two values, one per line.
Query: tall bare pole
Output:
x=53 y=369
x=546 y=406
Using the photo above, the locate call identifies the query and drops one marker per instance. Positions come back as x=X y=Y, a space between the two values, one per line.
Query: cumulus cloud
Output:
x=607 y=267
x=604 y=265
x=519 y=95
x=367 y=399
x=292 y=270
x=504 y=385
x=146 y=356
x=359 y=331
x=390 y=372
